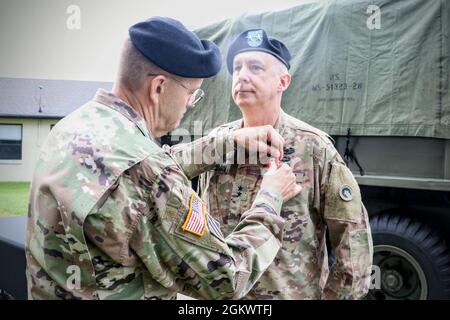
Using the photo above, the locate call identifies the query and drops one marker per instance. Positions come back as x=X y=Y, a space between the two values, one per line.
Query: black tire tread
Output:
x=427 y=239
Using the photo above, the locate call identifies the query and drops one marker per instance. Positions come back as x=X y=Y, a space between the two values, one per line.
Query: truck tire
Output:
x=412 y=259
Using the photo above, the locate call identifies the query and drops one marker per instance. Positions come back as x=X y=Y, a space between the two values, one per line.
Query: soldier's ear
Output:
x=285 y=81
x=155 y=88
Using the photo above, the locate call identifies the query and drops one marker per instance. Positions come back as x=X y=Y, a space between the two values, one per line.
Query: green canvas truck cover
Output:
x=380 y=68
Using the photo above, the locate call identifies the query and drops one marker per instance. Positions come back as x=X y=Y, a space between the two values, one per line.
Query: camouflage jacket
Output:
x=111 y=216
x=330 y=199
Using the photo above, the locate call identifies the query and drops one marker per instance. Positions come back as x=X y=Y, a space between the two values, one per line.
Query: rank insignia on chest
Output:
x=196 y=218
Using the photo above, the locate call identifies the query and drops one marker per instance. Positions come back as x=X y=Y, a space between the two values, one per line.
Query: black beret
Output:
x=257 y=40
x=168 y=44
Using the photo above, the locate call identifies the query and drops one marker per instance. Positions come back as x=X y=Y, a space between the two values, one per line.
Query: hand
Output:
x=263 y=139
x=282 y=180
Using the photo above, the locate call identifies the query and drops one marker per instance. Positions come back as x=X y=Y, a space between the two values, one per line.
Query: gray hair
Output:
x=281 y=68
x=134 y=67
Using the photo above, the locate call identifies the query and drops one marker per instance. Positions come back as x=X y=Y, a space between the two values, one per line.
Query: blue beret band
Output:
x=169 y=45
x=257 y=40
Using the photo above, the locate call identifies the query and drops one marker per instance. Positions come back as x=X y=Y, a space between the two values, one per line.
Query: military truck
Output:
x=375 y=75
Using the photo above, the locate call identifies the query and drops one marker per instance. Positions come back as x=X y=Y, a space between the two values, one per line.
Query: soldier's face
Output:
x=175 y=101
x=256 y=79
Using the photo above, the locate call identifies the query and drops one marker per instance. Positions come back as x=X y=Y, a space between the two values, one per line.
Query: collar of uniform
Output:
x=110 y=100
x=279 y=124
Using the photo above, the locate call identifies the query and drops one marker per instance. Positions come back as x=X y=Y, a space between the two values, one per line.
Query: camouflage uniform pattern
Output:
x=107 y=204
x=300 y=270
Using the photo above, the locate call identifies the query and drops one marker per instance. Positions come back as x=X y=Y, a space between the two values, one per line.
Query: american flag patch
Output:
x=196 y=219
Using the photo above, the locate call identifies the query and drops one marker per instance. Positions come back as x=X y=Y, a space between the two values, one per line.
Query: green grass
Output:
x=13 y=198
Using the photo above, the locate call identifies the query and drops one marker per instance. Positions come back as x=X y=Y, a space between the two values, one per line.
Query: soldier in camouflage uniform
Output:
x=330 y=200
x=112 y=215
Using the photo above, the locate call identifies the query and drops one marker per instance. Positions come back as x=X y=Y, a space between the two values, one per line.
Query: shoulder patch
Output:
x=196 y=218
x=214 y=227
x=342 y=196
x=346 y=192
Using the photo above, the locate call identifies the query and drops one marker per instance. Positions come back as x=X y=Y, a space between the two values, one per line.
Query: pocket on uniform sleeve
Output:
x=361 y=256
x=342 y=196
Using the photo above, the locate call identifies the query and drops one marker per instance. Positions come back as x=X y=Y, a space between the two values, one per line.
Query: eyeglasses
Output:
x=195 y=96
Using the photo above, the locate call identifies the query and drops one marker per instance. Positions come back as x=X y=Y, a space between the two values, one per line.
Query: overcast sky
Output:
x=36 y=41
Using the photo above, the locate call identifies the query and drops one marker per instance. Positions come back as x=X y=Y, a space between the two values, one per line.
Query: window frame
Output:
x=21 y=143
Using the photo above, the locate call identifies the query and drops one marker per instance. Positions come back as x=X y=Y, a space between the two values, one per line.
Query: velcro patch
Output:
x=196 y=218
x=342 y=197
x=214 y=227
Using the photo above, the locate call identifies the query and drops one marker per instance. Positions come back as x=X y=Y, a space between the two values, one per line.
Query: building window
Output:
x=10 y=141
